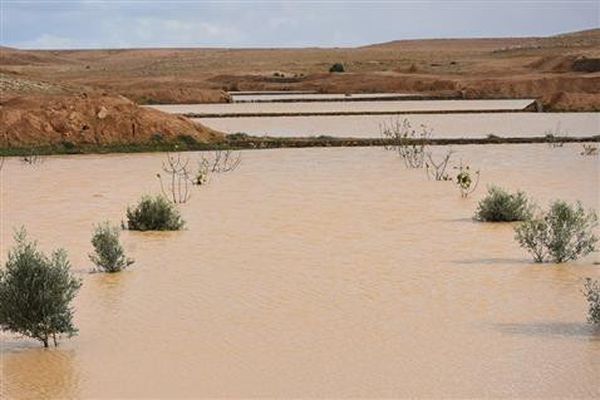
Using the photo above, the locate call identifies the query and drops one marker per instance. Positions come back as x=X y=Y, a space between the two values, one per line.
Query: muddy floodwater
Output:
x=309 y=273
x=341 y=106
x=244 y=97
x=443 y=125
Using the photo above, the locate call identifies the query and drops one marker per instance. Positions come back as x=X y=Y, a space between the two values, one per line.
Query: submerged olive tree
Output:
x=109 y=255
x=562 y=234
x=501 y=206
x=36 y=292
x=154 y=214
x=591 y=291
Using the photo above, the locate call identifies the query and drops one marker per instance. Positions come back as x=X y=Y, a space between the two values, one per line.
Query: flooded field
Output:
x=250 y=97
x=443 y=125
x=341 y=107
x=309 y=273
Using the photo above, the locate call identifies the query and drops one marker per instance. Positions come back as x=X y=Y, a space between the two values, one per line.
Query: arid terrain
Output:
x=563 y=72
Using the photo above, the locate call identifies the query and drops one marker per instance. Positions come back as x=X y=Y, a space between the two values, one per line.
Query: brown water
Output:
x=443 y=125
x=240 y=98
x=309 y=273
x=352 y=106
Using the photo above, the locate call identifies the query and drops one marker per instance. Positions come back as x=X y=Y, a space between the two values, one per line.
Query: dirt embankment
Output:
x=542 y=68
x=94 y=119
x=175 y=94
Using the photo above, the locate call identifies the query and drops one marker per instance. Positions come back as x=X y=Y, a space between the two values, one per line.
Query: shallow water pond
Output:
x=443 y=125
x=349 y=106
x=309 y=273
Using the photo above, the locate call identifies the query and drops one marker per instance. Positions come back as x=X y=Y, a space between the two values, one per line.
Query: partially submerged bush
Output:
x=562 y=234
x=179 y=176
x=337 y=67
x=466 y=180
x=409 y=142
x=589 y=150
x=501 y=206
x=109 y=255
x=36 y=292
x=591 y=291
x=437 y=169
x=154 y=214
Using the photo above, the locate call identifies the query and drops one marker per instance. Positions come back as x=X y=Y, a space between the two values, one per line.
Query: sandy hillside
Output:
x=563 y=70
x=79 y=119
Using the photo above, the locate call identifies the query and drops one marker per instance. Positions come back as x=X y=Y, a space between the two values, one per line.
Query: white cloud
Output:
x=48 y=41
x=180 y=32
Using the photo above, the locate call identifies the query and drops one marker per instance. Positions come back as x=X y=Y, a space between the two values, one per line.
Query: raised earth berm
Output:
x=94 y=119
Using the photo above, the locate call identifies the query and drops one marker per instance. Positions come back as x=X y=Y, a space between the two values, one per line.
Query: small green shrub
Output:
x=237 y=136
x=68 y=145
x=337 y=67
x=154 y=214
x=562 y=234
x=36 y=292
x=109 y=255
x=591 y=291
x=501 y=206
x=188 y=140
x=157 y=137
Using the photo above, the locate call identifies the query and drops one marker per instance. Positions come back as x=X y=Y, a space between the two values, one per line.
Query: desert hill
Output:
x=54 y=94
x=473 y=68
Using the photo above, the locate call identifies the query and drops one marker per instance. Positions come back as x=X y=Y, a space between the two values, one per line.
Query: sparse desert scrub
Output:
x=561 y=234
x=591 y=291
x=501 y=206
x=36 y=292
x=154 y=214
x=108 y=255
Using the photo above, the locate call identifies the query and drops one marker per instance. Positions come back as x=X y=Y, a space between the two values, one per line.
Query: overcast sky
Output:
x=137 y=23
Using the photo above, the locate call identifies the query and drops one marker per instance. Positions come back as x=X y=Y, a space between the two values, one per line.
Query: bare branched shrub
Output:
x=32 y=158
x=221 y=161
x=589 y=150
x=555 y=136
x=178 y=178
x=409 y=142
x=225 y=161
x=466 y=180
x=437 y=169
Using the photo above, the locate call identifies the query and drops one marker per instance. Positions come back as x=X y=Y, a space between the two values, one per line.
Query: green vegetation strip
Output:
x=242 y=141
